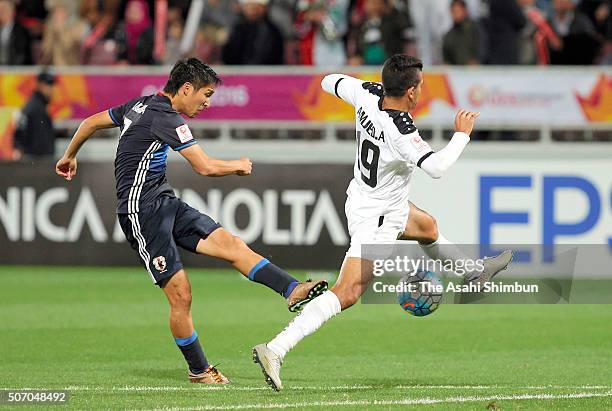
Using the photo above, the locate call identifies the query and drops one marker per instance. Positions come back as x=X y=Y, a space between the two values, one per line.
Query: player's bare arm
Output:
x=67 y=165
x=205 y=165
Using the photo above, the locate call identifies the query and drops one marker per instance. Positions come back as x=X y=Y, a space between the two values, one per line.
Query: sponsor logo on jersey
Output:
x=184 y=134
x=160 y=263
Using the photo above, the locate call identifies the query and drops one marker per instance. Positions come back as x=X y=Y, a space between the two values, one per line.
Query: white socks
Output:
x=317 y=312
x=442 y=249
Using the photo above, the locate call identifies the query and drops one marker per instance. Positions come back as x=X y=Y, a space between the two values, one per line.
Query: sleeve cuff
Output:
x=423 y=158
x=183 y=146
x=336 y=87
x=112 y=116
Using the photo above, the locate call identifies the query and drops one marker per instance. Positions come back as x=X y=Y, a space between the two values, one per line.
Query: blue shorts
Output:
x=157 y=230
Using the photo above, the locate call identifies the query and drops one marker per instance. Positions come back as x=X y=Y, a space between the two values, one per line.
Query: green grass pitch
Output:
x=101 y=333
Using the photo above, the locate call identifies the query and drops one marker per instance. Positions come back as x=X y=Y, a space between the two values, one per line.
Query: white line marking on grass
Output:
x=136 y=388
x=576 y=387
x=239 y=388
x=449 y=387
x=528 y=387
x=407 y=401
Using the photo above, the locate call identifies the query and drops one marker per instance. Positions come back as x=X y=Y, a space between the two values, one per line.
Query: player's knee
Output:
x=427 y=229
x=432 y=230
x=237 y=247
x=229 y=247
x=181 y=300
x=240 y=245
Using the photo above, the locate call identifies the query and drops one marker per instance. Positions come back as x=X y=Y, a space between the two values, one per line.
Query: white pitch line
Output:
x=407 y=401
x=506 y=387
x=130 y=388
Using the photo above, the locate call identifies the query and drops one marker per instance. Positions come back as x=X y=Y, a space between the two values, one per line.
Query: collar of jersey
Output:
x=392 y=112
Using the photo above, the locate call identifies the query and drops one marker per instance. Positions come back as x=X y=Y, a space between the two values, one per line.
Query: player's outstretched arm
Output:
x=212 y=167
x=342 y=86
x=67 y=165
x=437 y=163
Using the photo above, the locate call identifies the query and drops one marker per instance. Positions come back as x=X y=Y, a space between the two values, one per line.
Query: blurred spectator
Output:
x=135 y=35
x=15 y=47
x=281 y=13
x=431 y=21
x=63 y=34
x=545 y=6
x=381 y=34
x=99 y=46
x=173 y=41
x=537 y=36
x=254 y=39
x=461 y=44
x=208 y=44
x=32 y=15
x=221 y=13
x=320 y=27
x=90 y=13
x=218 y=18
x=607 y=49
x=119 y=7
x=179 y=6
x=503 y=27
x=598 y=11
x=34 y=136
x=578 y=35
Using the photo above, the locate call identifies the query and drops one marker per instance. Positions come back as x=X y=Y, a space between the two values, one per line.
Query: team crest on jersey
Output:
x=419 y=144
x=140 y=108
x=184 y=134
x=160 y=263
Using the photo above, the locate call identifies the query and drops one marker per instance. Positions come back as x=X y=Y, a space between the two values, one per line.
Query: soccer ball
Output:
x=417 y=299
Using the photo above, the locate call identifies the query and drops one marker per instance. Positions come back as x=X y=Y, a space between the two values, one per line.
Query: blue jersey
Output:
x=149 y=127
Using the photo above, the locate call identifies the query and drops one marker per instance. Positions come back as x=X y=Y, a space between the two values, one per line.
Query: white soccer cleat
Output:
x=492 y=267
x=270 y=364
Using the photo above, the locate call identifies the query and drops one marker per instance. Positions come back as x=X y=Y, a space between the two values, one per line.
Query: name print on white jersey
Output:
x=368 y=125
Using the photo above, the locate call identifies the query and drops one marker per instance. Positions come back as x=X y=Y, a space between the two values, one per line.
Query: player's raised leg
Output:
x=355 y=275
x=423 y=228
x=178 y=292
x=222 y=244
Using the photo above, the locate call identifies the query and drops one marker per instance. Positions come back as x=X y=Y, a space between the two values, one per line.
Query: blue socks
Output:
x=268 y=274
x=193 y=353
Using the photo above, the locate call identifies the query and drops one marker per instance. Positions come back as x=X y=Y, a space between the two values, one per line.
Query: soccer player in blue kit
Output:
x=156 y=222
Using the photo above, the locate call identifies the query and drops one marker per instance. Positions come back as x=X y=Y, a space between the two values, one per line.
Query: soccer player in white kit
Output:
x=377 y=208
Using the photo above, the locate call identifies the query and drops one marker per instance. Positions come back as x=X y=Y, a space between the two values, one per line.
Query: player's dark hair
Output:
x=192 y=71
x=399 y=73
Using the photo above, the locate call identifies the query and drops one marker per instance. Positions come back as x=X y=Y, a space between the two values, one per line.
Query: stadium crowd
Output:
x=308 y=32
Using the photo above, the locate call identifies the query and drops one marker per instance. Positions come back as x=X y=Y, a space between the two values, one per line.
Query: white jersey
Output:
x=389 y=146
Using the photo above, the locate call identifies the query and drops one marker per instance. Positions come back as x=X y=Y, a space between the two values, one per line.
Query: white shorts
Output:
x=368 y=225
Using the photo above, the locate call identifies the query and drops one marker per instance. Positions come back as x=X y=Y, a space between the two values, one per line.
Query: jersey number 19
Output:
x=367 y=155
